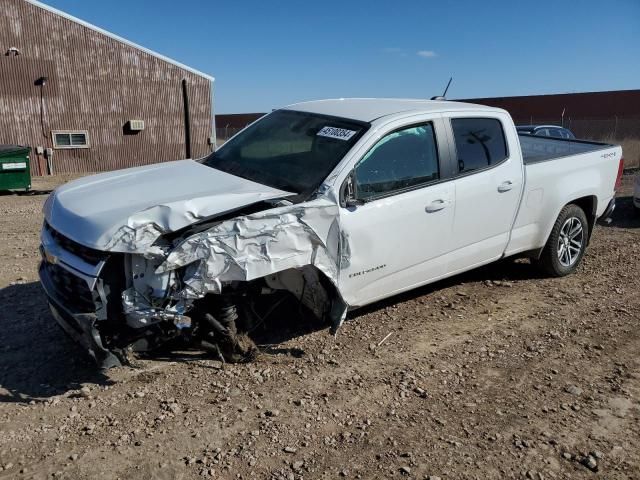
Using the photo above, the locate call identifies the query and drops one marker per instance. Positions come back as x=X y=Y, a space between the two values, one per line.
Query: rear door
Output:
x=488 y=183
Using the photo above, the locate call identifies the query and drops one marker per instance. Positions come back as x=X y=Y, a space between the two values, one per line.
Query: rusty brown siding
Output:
x=94 y=83
x=621 y=103
x=236 y=120
x=597 y=115
x=227 y=125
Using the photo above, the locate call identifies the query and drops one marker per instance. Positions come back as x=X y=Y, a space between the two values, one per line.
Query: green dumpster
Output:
x=14 y=168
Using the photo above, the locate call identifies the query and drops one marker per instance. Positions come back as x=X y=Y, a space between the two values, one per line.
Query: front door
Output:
x=398 y=237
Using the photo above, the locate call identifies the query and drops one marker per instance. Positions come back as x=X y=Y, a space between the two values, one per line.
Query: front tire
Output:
x=567 y=243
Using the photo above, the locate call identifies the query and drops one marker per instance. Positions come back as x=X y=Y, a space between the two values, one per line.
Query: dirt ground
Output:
x=498 y=373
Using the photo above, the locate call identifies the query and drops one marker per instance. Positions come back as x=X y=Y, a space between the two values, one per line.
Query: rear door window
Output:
x=480 y=143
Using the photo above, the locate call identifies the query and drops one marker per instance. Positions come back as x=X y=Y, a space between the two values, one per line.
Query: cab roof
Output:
x=370 y=109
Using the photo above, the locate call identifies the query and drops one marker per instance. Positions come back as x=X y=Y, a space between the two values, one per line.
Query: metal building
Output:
x=86 y=100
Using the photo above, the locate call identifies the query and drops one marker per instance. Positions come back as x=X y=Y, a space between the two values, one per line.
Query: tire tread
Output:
x=548 y=260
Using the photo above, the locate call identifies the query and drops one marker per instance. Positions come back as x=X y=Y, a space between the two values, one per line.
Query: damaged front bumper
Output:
x=72 y=277
x=138 y=296
x=87 y=298
x=81 y=327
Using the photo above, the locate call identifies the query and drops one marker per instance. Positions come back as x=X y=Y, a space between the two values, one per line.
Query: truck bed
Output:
x=559 y=171
x=541 y=149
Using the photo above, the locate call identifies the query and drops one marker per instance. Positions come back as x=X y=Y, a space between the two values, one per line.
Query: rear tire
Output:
x=567 y=242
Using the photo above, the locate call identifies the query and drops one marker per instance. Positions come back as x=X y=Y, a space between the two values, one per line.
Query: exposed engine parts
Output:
x=156 y=315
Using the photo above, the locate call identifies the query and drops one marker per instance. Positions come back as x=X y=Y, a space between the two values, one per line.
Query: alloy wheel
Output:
x=570 y=241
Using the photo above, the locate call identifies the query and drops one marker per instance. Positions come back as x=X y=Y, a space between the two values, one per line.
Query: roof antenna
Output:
x=444 y=94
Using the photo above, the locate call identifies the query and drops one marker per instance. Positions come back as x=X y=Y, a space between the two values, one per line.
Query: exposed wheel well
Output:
x=590 y=207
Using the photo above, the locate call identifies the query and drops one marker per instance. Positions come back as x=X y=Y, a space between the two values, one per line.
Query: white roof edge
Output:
x=392 y=99
x=119 y=38
x=372 y=109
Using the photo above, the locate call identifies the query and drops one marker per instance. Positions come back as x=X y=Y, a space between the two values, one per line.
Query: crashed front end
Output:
x=149 y=287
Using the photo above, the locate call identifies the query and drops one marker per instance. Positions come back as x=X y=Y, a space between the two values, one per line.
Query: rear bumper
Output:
x=79 y=326
x=605 y=218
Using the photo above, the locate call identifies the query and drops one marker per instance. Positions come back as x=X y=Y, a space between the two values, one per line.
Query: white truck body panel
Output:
x=170 y=196
x=550 y=186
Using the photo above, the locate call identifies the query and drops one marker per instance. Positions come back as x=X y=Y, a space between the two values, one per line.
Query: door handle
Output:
x=436 y=206
x=505 y=186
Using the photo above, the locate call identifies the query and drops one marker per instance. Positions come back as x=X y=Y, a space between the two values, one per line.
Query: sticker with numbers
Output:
x=338 y=133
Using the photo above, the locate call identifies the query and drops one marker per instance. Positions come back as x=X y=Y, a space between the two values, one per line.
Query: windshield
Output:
x=288 y=150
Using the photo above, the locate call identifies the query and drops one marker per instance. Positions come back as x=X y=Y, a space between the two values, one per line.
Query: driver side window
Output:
x=401 y=160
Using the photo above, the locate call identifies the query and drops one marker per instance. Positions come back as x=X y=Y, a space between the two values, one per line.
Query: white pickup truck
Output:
x=334 y=203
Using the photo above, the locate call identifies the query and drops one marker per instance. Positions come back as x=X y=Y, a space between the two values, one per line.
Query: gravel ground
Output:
x=498 y=373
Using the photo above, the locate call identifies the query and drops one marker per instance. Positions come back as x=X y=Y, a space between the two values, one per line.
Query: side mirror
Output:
x=349 y=192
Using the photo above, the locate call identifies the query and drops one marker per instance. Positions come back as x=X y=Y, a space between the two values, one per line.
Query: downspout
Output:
x=187 y=119
x=42 y=170
x=214 y=132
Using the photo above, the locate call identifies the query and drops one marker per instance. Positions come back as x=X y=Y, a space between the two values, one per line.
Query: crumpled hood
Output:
x=127 y=209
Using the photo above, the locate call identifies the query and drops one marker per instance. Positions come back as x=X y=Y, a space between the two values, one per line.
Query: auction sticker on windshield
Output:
x=334 y=132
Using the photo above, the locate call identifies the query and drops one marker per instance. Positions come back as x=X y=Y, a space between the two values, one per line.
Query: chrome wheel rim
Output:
x=570 y=241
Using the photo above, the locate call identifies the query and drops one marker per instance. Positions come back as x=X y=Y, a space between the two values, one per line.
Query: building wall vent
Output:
x=136 y=125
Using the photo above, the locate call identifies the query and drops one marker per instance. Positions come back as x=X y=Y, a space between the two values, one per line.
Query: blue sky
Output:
x=268 y=54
